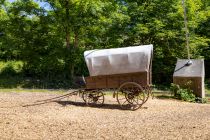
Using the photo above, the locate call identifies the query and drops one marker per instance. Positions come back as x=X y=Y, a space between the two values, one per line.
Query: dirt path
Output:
x=159 y=119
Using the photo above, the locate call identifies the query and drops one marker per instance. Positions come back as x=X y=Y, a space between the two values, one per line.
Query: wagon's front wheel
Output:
x=93 y=97
x=130 y=95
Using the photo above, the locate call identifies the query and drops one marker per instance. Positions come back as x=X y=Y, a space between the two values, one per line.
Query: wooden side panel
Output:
x=101 y=81
x=141 y=78
x=90 y=82
x=125 y=78
x=113 y=81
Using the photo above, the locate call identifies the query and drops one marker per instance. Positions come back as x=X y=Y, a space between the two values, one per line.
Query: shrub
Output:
x=11 y=67
x=184 y=94
x=201 y=100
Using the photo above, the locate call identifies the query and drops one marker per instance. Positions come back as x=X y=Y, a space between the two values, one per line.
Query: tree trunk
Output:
x=67 y=39
x=67 y=24
x=76 y=39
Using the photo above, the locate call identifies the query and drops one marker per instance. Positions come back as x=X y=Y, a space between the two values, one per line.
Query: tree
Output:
x=51 y=41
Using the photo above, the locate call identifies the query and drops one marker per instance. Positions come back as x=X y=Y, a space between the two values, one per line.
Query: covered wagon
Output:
x=109 y=68
x=127 y=71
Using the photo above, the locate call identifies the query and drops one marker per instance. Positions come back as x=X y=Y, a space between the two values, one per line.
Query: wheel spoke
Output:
x=124 y=102
x=99 y=102
x=136 y=101
x=141 y=96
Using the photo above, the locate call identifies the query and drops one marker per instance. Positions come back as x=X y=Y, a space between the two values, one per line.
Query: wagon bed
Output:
x=114 y=81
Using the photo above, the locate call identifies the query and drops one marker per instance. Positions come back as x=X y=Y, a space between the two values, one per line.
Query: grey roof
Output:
x=196 y=69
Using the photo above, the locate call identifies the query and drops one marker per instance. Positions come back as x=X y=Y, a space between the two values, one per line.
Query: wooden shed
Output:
x=193 y=75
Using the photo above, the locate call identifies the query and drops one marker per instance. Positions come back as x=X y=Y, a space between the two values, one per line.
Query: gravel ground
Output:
x=158 y=119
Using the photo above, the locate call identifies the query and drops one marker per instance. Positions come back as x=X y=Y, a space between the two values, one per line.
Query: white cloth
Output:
x=118 y=60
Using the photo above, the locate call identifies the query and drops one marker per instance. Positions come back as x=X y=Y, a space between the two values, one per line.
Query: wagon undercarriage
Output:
x=129 y=95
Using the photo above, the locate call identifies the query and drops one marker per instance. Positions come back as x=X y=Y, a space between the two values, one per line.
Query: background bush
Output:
x=182 y=93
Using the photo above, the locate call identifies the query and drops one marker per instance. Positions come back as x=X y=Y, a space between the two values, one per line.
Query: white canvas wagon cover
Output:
x=119 y=60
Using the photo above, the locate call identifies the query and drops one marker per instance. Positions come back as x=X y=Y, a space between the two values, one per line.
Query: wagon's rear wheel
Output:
x=95 y=97
x=130 y=95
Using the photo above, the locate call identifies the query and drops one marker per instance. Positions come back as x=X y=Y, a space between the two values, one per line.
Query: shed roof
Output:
x=196 y=69
x=119 y=60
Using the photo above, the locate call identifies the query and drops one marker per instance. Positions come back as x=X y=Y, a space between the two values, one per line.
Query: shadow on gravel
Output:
x=82 y=104
x=164 y=97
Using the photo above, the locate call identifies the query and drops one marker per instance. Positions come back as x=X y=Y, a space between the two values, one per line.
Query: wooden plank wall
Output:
x=196 y=84
x=114 y=81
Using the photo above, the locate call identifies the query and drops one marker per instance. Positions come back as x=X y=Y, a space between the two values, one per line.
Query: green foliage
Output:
x=186 y=95
x=174 y=89
x=13 y=74
x=50 y=41
x=182 y=93
x=201 y=100
x=11 y=68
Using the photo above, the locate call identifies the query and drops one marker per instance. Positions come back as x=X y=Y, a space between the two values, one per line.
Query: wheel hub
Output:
x=130 y=96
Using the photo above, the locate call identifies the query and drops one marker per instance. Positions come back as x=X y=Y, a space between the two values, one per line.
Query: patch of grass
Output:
x=162 y=94
x=207 y=90
x=19 y=90
x=161 y=88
